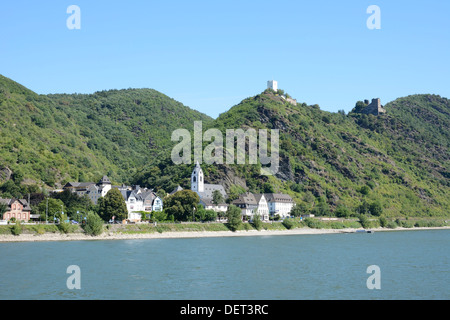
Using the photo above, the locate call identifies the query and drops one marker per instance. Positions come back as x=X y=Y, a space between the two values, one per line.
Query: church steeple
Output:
x=104 y=181
x=197 y=180
x=104 y=185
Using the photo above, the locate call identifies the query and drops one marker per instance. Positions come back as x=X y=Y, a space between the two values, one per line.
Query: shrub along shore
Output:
x=51 y=232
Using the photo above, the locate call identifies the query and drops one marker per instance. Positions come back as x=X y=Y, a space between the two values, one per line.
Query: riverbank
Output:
x=191 y=234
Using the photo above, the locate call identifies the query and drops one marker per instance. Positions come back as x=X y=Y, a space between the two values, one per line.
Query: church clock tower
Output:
x=197 y=179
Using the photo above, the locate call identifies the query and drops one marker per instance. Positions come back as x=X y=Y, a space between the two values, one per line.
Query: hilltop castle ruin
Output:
x=374 y=107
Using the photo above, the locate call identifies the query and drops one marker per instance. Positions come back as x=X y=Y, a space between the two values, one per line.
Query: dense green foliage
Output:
x=16 y=228
x=205 y=215
x=396 y=164
x=3 y=209
x=94 y=224
x=182 y=205
x=234 y=218
x=81 y=137
x=393 y=165
x=112 y=206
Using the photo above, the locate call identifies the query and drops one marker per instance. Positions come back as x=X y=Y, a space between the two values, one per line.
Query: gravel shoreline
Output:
x=187 y=234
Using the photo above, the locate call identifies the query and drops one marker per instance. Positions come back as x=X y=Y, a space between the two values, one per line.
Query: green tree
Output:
x=288 y=223
x=322 y=208
x=383 y=221
x=364 y=221
x=234 y=217
x=64 y=226
x=73 y=202
x=257 y=223
x=159 y=216
x=10 y=190
x=364 y=190
x=298 y=210
x=268 y=188
x=94 y=224
x=113 y=205
x=161 y=193
x=375 y=208
x=210 y=215
x=217 y=197
x=359 y=106
x=55 y=208
x=182 y=205
x=363 y=208
x=16 y=229
x=205 y=215
x=309 y=199
x=3 y=209
x=342 y=211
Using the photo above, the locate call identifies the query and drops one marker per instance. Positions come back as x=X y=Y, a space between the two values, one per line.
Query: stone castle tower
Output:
x=197 y=179
x=374 y=107
x=272 y=84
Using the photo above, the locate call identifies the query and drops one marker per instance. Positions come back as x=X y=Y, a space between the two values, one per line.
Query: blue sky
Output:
x=211 y=54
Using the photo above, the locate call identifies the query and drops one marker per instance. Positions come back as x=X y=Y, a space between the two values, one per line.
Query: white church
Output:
x=205 y=191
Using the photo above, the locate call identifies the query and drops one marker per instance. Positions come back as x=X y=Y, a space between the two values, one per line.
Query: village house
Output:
x=266 y=204
x=141 y=200
x=279 y=204
x=137 y=199
x=263 y=207
x=16 y=208
x=94 y=191
x=253 y=204
x=247 y=203
x=209 y=205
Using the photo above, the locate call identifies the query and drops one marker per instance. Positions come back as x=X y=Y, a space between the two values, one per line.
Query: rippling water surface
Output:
x=413 y=265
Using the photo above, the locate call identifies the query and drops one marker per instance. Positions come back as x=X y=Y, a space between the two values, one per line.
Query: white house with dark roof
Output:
x=252 y=204
x=139 y=200
x=247 y=203
x=279 y=203
x=94 y=191
x=134 y=203
x=263 y=207
x=264 y=204
x=209 y=205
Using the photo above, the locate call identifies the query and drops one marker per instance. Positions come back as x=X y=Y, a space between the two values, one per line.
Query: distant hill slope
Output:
x=328 y=161
x=62 y=137
x=399 y=160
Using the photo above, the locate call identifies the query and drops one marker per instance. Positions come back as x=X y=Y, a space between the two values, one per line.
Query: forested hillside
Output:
x=51 y=139
x=330 y=163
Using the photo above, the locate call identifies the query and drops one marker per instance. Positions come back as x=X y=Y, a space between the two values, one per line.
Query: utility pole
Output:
x=46 y=213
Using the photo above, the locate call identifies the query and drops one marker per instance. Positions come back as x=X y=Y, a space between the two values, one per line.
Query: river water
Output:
x=411 y=265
